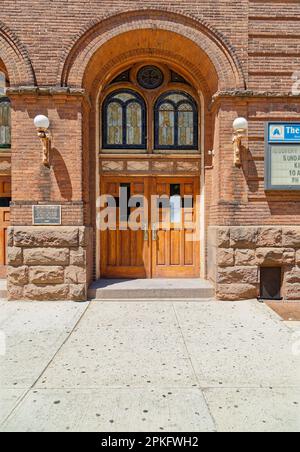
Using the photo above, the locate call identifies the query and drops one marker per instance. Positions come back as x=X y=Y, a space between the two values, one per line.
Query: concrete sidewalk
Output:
x=160 y=366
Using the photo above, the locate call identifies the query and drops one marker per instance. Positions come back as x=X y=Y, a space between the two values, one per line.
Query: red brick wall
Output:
x=250 y=44
x=49 y=29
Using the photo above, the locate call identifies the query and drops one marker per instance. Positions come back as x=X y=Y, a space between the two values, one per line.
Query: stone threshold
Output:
x=151 y=289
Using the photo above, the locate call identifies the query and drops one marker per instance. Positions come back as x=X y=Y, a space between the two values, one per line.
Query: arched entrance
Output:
x=106 y=60
x=150 y=117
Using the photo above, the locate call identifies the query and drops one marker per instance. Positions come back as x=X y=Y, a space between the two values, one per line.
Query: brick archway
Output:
x=15 y=58
x=120 y=52
x=216 y=54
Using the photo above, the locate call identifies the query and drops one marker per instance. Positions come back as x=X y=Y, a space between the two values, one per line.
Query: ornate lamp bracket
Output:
x=42 y=124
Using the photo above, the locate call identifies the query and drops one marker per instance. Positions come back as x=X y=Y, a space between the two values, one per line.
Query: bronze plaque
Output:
x=46 y=215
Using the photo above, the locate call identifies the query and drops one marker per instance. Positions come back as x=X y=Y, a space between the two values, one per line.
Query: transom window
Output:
x=124 y=124
x=5 y=115
x=161 y=101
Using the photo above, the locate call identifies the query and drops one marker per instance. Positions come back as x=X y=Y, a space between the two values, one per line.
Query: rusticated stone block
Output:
x=78 y=292
x=78 y=258
x=48 y=237
x=223 y=238
x=292 y=292
x=46 y=275
x=298 y=257
x=245 y=258
x=289 y=256
x=46 y=293
x=14 y=292
x=243 y=237
x=240 y=275
x=17 y=276
x=269 y=237
x=83 y=236
x=235 y=292
x=10 y=236
x=291 y=237
x=225 y=257
x=14 y=256
x=292 y=275
x=275 y=256
x=46 y=256
x=75 y=275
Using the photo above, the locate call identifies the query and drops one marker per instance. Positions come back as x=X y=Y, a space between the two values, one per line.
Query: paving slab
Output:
x=33 y=333
x=138 y=366
x=123 y=345
x=255 y=410
x=3 y=288
x=295 y=326
x=123 y=410
x=238 y=344
x=9 y=398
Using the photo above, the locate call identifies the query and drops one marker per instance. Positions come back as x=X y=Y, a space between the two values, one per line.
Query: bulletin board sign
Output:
x=282 y=156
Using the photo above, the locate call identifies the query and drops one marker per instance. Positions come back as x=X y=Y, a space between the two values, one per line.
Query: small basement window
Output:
x=5 y=202
x=270 y=283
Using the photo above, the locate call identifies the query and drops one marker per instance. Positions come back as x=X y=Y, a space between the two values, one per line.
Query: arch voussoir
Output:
x=220 y=53
x=15 y=58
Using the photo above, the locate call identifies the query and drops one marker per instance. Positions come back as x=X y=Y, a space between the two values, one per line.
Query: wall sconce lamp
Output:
x=42 y=124
x=240 y=129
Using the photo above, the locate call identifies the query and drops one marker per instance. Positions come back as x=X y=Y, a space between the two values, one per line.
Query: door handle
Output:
x=154 y=233
x=146 y=233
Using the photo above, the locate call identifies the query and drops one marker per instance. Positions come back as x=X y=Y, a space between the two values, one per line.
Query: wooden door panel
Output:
x=166 y=253
x=188 y=249
x=174 y=254
x=5 y=192
x=4 y=224
x=124 y=253
x=175 y=247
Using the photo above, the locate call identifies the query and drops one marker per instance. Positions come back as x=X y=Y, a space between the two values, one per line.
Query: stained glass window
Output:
x=166 y=125
x=124 y=121
x=176 y=122
x=2 y=84
x=5 y=115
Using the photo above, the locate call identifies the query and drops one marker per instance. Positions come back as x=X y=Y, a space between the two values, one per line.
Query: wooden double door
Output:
x=156 y=233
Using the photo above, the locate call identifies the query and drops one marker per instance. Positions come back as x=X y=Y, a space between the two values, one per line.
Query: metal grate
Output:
x=270 y=283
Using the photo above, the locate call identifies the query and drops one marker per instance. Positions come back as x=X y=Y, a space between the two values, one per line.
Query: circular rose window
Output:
x=150 y=77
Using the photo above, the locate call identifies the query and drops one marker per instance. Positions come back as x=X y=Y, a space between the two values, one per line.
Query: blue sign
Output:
x=284 y=132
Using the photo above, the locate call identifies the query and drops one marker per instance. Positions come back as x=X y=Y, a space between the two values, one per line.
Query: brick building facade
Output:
x=236 y=58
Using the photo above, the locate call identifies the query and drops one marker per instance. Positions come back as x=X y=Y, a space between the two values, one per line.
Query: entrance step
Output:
x=3 y=289
x=151 y=289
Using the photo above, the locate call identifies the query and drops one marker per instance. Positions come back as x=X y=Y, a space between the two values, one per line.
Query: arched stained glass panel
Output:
x=167 y=125
x=114 y=124
x=2 y=84
x=134 y=123
x=124 y=121
x=185 y=125
x=5 y=115
x=176 y=122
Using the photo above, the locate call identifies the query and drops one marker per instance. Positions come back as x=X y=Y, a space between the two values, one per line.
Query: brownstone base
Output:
x=48 y=263
x=235 y=255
